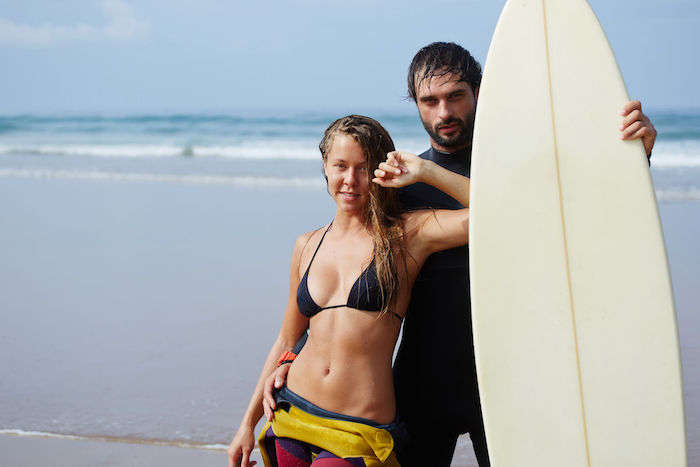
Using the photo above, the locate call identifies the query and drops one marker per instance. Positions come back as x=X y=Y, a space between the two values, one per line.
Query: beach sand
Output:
x=21 y=451
x=144 y=310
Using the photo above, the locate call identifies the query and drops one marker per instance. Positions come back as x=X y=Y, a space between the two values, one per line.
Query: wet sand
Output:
x=22 y=451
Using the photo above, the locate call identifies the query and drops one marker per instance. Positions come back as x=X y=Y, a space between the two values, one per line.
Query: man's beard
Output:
x=463 y=138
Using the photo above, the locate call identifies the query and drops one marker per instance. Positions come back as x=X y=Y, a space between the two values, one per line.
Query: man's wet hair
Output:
x=438 y=59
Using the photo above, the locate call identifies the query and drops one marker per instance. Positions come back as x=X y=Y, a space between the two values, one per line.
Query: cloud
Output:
x=121 y=26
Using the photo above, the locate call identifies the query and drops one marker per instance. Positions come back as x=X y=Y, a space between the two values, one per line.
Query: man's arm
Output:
x=276 y=380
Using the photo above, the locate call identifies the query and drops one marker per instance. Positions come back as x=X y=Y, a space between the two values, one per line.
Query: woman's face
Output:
x=346 y=169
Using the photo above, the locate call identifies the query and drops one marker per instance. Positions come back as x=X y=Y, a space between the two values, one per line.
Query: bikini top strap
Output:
x=397 y=315
x=319 y=244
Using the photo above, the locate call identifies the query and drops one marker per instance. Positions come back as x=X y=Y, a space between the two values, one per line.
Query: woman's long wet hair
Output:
x=383 y=214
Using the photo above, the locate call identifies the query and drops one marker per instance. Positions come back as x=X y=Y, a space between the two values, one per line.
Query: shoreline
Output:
x=663 y=195
x=19 y=433
x=27 y=451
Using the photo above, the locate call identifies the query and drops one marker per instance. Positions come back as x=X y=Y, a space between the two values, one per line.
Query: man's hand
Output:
x=400 y=169
x=637 y=125
x=274 y=381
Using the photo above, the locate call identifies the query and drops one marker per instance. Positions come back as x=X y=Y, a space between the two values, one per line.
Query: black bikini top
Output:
x=365 y=293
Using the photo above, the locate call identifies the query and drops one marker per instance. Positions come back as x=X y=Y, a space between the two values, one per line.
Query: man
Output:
x=434 y=372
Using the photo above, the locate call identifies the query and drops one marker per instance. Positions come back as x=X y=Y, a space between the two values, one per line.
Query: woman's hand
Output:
x=240 y=448
x=400 y=169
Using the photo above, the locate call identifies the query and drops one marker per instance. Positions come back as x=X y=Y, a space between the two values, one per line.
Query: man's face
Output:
x=446 y=107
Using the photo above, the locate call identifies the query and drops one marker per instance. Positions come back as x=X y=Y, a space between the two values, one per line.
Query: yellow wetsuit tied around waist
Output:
x=345 y=439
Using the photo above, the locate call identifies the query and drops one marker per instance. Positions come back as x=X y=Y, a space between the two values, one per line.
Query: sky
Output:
x=157 y=56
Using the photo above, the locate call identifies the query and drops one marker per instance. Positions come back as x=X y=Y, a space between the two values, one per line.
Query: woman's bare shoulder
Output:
x=305 y=239
x=302 y=253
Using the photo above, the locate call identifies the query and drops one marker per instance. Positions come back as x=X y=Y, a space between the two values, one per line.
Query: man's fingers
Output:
x=385 y=173
x=268 y=400
x=631 y=130
x=636 y=125
x=382 y=182
x=269 y=406
x=633 y=117
x=638 y=130
x=274 y=381
x=281 y=376
x=267 y=411
x=396 y=159
x=631 y=106
x=641 y=133
x=389 y=168
x=392 y=156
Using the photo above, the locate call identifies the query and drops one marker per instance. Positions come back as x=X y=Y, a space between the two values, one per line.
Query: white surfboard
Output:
x=574 y=324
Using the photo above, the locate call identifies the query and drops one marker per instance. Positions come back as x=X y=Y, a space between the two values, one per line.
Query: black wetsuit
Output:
x=434 y=372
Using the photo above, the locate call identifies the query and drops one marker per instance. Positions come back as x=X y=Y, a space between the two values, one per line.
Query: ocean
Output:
x=247 y=150
x=144 y=263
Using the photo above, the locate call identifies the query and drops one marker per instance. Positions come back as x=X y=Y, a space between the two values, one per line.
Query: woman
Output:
x=350 y=284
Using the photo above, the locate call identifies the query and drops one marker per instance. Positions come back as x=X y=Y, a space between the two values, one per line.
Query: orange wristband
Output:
x=287 y=357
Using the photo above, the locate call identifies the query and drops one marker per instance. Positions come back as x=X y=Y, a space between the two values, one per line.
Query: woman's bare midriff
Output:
x=345 y=366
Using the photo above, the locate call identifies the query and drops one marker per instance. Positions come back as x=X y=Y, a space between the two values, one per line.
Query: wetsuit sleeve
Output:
x=300 y=344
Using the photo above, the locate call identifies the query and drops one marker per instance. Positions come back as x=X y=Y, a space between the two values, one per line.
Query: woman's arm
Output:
x=294 y=325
